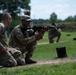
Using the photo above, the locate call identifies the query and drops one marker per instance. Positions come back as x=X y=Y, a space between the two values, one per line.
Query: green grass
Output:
x=64 y=37
x=60 y=69
x=48 y=51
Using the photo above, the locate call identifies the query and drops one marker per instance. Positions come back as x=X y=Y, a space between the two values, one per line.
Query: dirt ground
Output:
x=51 y=43
x=55 y=61
x=47 y=62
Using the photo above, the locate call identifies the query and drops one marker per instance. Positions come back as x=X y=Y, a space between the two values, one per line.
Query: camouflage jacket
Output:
x=20 y=38
x=3 y=34
x=53 y=32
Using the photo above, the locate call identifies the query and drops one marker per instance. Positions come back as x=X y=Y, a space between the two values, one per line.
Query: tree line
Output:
x=53 y=18
x=14 y=7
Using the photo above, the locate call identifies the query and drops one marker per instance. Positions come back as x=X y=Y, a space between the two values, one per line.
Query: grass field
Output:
x=60 y=69
x=48 y=51
x=66 y=36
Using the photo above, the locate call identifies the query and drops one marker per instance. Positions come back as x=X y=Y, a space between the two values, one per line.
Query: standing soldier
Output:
x=27 y=12
x=25 y=39
x=7 y=55
x=54 y=32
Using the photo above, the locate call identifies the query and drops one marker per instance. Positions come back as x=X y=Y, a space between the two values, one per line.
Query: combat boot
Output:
x=29 y=61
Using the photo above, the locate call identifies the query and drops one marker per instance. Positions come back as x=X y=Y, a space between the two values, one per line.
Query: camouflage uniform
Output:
x=7 y=59
x=24 y=39
x=52 y=33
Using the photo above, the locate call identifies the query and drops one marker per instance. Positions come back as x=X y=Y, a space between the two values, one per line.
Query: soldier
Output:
x=54 y=32
x=25 y=39
x=27 y=12
x=7 y=55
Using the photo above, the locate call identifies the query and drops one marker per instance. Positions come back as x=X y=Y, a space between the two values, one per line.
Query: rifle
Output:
x=55 y=27
x=40 y=29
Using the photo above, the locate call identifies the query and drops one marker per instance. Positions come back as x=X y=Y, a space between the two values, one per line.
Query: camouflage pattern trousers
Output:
x=28 y=51
x=8 y=59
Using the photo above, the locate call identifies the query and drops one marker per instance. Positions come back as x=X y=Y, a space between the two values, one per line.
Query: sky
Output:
x=42 y=9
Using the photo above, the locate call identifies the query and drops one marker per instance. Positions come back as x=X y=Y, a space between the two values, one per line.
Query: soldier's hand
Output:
x=45 y=28
x=30 y=32
x=39 y=36
x=17 y=48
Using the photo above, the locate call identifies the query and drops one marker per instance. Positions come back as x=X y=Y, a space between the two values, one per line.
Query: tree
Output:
x=53 y=17
x=69 y=19
x=14 y=6
x=59 y=20
x=75 y=18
